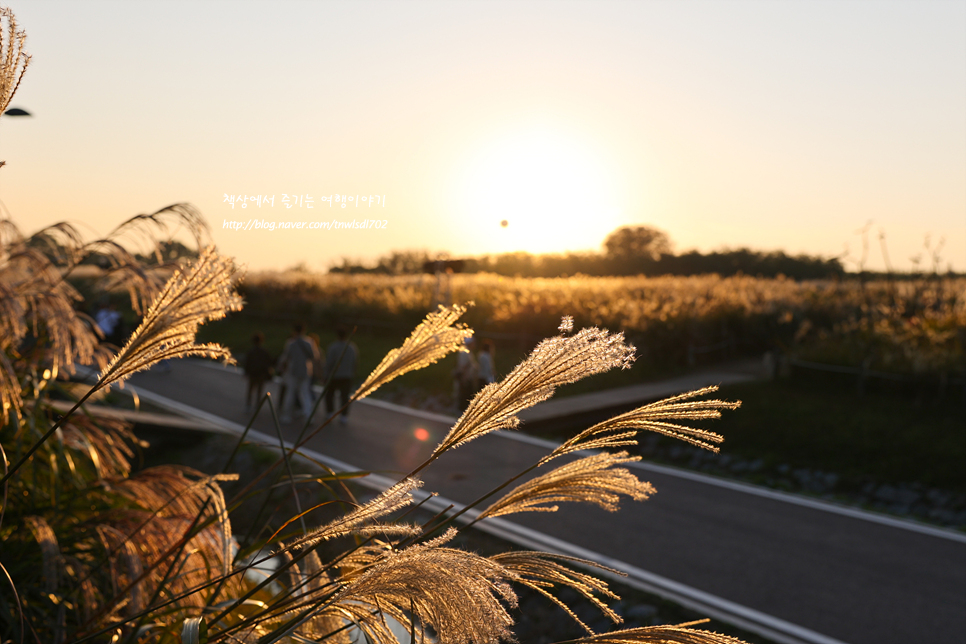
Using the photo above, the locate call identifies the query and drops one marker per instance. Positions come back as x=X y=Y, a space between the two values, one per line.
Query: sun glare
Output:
x=539 y=192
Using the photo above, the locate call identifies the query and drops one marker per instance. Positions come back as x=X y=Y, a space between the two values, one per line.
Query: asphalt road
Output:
x=838 y=575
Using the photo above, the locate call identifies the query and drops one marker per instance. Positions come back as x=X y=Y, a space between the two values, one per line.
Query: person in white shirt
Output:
x=109 y=321
x=485 y=359
x=465 y=375
x=298 y=357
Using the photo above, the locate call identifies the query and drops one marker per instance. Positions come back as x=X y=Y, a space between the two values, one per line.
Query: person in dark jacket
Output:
x=258 y=369
x=340 y=368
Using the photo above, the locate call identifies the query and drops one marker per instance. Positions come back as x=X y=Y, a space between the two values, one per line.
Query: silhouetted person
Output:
x=318 y=368
x=341 y=359
x=298 y=358
x=487 y=365
x=465 y=375
x=109 y=320
x=258 y=369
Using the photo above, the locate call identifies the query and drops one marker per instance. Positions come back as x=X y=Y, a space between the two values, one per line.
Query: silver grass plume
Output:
x=198 y=294
x=554 y=362
x=620 y=430
x=541 y=571
x=34 y=295
x=176 y=495
x=436 y=337
x=34 y=291
x=593 y=479
x=13 y=59
x=677 y=634
x=458 y=594
x=137 y=237
x=396 y=497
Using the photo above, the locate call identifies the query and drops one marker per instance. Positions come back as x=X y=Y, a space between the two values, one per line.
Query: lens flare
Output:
x=421 y=434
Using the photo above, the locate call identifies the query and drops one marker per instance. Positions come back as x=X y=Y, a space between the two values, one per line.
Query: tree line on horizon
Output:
x=629 y=250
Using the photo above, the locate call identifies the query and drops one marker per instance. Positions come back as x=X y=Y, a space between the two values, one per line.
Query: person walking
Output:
x=341 y=359
x=298 y=358
x=258 y=369
x=109 y=321
x=318 y=367
x=466 y=375
x=487 y=365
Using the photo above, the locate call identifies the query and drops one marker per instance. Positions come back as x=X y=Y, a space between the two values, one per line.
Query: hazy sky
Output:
x=769 y=124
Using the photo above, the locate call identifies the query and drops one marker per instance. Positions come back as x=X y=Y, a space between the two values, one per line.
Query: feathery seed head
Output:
x=593 y=479
x=622 y=429
x=392 y=499
x=542 y=571
x=13 y=59
x=677 y=634
x=457 y=593
x=198 y=294
x=436 y=337
x=554 y=362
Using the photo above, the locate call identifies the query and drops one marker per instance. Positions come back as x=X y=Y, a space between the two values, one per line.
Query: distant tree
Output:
x=403 y=262
x=637 y=242
x=168 y=251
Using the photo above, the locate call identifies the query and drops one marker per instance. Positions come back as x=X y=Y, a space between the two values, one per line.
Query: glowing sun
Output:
x=539 y=192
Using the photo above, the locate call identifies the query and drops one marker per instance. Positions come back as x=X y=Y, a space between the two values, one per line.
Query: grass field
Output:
x=822 y=425
x=805 y=422
x=907 y=327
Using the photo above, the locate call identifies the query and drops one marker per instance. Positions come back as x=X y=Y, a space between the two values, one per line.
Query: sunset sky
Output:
x=766 y=124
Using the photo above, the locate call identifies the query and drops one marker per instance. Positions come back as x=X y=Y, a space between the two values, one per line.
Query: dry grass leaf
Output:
x=50 y=552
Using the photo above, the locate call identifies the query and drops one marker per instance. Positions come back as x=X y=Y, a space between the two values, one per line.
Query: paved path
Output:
x=729 y=549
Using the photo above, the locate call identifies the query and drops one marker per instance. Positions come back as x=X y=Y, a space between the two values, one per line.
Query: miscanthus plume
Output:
x=200 y=293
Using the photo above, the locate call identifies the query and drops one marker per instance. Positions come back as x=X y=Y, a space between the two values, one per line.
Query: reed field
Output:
x=912 y=326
